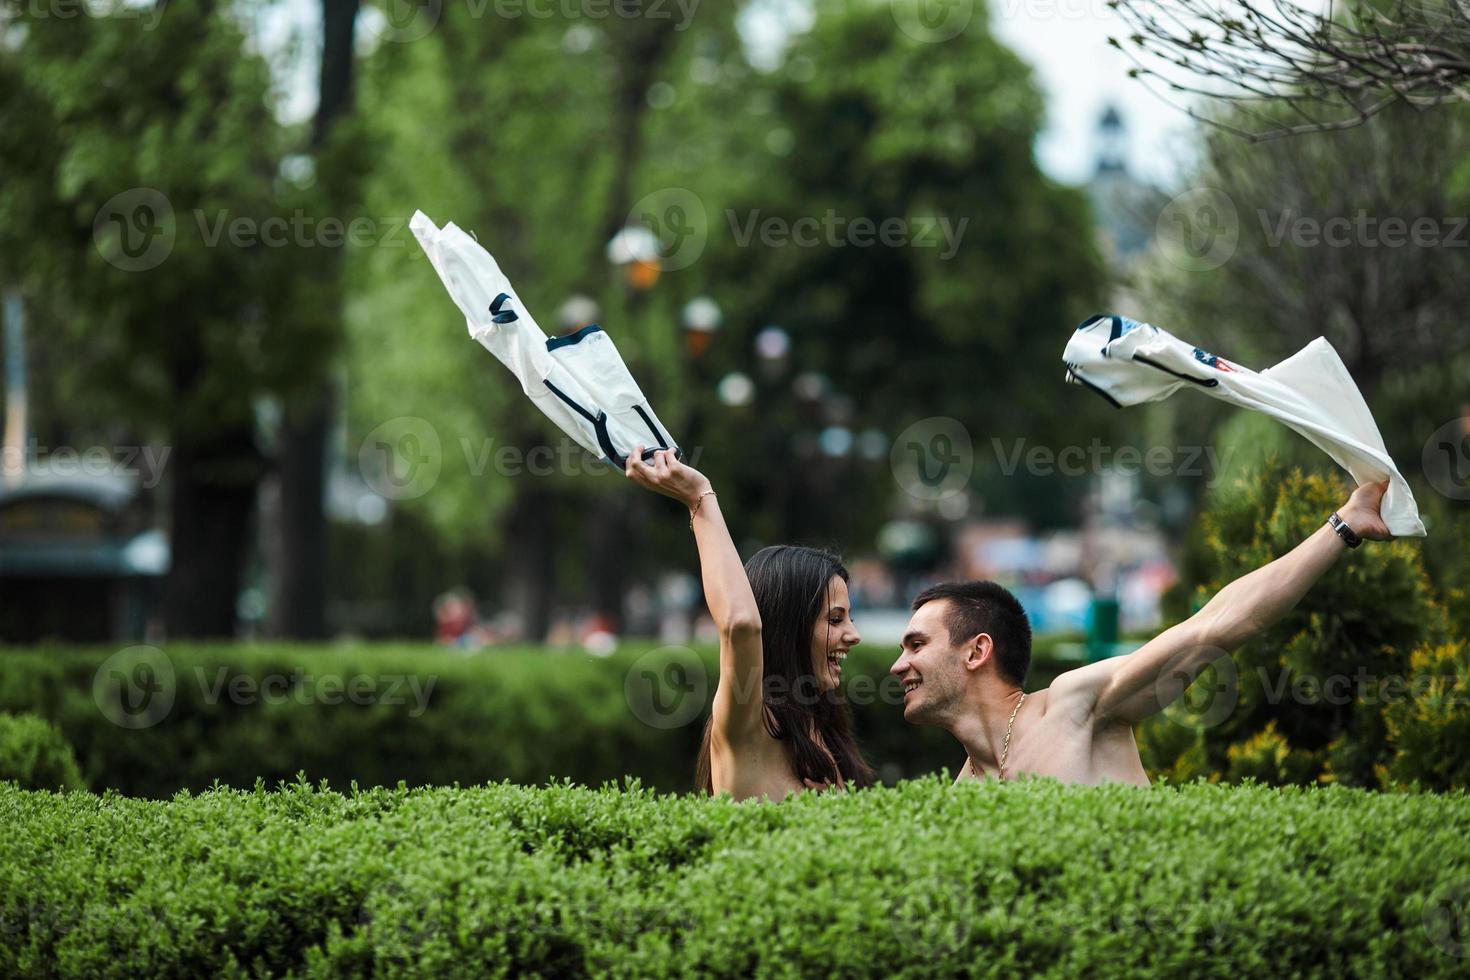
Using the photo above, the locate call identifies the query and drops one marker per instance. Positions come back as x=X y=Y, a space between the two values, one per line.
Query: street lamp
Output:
x=576 y=311
x=772 y=348
x=634 y=251
x=700 y=318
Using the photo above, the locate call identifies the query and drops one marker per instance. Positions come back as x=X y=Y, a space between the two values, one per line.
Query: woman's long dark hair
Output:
x=791 y=590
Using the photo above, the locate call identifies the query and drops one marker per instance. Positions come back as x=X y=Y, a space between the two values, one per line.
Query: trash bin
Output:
x=1102 y=628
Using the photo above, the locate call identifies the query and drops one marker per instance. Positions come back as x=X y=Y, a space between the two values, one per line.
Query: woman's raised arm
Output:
x=726 y=588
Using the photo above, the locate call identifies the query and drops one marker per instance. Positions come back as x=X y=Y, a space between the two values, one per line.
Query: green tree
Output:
x=531 y=135
x=868 y=124
x=1305 y=701
x=132 y=146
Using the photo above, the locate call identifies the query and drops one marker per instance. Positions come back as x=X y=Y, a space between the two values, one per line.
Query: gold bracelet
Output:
x=697 y=504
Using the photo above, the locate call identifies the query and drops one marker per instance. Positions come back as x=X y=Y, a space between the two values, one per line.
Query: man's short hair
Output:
x=986 y=607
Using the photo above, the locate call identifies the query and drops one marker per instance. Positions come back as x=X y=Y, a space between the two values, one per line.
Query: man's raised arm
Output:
x=1128 y=689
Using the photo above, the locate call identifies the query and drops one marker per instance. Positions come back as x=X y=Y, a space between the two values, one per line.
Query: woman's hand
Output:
x=666 y=475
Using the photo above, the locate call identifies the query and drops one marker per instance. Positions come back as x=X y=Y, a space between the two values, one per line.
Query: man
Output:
x=968 y=646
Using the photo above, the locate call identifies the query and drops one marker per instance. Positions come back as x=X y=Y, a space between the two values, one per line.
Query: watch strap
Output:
x=1348 y=535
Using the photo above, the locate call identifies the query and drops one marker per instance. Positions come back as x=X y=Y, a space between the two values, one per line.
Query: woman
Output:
x=778 y=724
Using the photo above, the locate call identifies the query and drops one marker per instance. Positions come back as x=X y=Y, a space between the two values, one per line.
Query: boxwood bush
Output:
x=149 y=721
x=1018 y=879
x=35 y=756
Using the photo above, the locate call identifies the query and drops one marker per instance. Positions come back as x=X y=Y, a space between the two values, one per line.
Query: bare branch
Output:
x=1335 y=68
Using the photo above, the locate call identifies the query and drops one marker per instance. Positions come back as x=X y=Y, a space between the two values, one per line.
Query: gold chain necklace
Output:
x=1005 y=746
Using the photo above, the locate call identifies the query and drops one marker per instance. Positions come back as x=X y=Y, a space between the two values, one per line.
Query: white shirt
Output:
x=579 y=381
x=1128 y=362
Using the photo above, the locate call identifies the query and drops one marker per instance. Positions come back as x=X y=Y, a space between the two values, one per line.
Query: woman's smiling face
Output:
x=833 y=634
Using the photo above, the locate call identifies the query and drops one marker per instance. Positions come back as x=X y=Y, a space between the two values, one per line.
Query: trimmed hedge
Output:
x=1016 y=879
x=35 y=756
x=149 y=722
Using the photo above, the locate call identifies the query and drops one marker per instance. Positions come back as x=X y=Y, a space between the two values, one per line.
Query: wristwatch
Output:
x=1348 y=535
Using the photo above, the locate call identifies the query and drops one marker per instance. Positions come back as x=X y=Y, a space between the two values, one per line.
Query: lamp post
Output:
x=700 y=320
x=633 y=251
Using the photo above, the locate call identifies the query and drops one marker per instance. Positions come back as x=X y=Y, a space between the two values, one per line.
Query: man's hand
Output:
x=1362 y=512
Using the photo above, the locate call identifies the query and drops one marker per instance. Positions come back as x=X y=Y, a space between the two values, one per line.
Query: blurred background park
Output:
x=840 y=243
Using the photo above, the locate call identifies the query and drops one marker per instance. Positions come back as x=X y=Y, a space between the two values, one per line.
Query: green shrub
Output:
x=150 y=722
x=1429 y=725
x=35 y=756
x=1306 y=701
x=1016 y=879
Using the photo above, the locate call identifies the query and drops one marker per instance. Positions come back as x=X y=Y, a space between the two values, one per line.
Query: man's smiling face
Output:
x=930 y=666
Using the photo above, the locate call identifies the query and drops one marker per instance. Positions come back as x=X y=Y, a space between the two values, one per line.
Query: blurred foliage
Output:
x=34 y=755
x=516 y=134
x=1358 y=236
x=169 y=129
x=1310 y=699
x=428 y=717
x=920 y=880
x=1429 y=726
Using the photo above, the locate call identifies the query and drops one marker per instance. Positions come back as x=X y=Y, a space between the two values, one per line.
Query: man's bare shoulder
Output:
x=1073 y=694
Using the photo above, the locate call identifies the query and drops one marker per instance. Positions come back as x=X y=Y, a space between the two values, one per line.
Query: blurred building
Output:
x=78 y=560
